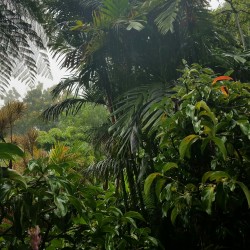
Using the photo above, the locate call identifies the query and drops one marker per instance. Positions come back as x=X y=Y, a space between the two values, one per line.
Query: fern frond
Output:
x=21 y=40
x=135 y=115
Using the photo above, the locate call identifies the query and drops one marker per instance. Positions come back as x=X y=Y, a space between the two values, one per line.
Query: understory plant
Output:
x=52 y=206
x=202 y=170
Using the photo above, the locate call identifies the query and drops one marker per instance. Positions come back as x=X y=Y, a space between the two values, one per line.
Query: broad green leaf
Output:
x=79 y=24
x=165 y=208
x=79 y=220
x=221 y=146
x=240 y=59
x=229 y=73
x=185 y=145
x=158 y=187
x=129 y=220
x=169 y=166
x=5 y=191
x=215 y=175
x=11 y=149
x=13 y=175
x=188 y=95
x=208 y=114
x=32 y=165
x=207 y=198
x=55 y=244
x=203 y=105
x=245 y=127
x=153 y=240
x=191 y=187
x=174 y=214
x=61 y=207
x=6 y=156
x=114 y=210
x=245 y=190
x=197 y=126
x=207 y=111
x=190 y=111
x=209 y=128
x=134 y=215
x=149 y=181
x=76 y=203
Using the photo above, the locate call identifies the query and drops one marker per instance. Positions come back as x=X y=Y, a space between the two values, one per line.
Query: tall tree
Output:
x=120 y=45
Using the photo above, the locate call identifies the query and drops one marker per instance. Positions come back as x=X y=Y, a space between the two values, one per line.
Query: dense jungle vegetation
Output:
x=145 y=145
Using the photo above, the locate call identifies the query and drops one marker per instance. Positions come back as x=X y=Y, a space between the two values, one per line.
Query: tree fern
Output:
x=22 y=51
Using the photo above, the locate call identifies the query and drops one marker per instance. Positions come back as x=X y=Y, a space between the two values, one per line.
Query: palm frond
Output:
x=135 y=115
x=73 y=105
x=70 y=106
x=165 y=20
x=108 y=168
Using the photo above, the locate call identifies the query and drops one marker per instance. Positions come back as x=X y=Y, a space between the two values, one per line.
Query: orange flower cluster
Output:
x=223 y=89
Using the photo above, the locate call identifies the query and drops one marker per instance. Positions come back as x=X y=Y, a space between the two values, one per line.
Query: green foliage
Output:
x=22 y=44
x=8 y=150
x=186 y=140
x=77 y=132
x=207 y=137
x=69 y=213
x=233 y=18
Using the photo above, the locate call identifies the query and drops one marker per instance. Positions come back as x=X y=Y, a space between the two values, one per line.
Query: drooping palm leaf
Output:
x=135 y=115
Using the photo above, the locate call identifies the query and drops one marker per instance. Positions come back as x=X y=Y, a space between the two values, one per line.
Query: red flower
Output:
x=224 y=90
x=221 y=78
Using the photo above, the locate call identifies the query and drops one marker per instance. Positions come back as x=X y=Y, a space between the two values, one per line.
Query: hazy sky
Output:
x=216 y=3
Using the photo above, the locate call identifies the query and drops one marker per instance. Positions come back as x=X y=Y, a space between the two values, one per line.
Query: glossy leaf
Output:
x=245 y=127
x=221 y=146
x=215 y=175
x=159 y=185
x=166 y=167
x=185 y=145
x=245 y=190
x=174 y=214
x=10 y=150
x=13 y=175
x=134 y=215
x=207 y=198
x=149 y=181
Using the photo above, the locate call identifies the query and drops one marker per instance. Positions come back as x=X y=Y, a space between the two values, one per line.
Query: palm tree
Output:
x=96 y=52
x=129 y=48
x=115 y=46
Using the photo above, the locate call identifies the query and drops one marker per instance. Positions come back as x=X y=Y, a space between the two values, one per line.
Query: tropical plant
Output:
x=22 y=50
x=201 y=177
x=110 y=60
x=9 y=114
x=49 y=207
x=108 y=43
x=233 y=17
